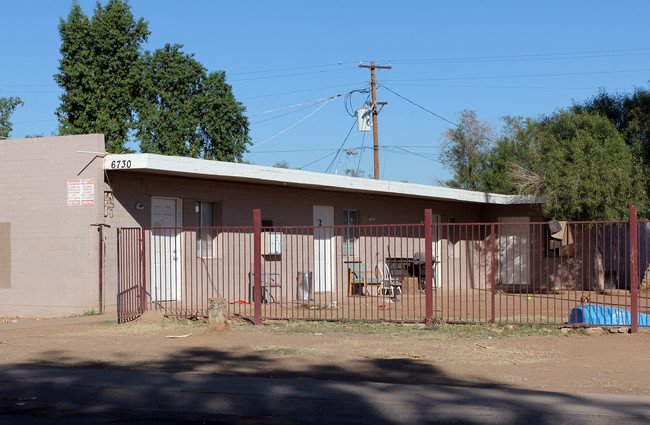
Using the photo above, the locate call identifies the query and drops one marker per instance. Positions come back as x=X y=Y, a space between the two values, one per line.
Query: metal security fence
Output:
x=505 y=272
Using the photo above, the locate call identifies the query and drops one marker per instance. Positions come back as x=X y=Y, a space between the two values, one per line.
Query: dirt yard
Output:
x=551 y=359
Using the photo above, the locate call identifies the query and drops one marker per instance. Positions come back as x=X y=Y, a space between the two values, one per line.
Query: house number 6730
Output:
x=124 y=163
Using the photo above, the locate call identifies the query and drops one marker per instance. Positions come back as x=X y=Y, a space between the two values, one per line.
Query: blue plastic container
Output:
x=593 y=314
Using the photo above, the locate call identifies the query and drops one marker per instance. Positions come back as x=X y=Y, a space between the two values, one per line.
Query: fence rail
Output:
x=506 y=272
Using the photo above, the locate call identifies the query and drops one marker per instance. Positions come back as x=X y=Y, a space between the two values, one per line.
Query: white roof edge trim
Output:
x=162 y=164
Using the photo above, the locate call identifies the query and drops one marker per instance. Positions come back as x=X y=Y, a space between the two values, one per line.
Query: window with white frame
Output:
x=350 y=234
x=205 y=234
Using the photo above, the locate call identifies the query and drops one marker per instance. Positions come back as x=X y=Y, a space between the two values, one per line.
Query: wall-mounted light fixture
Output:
x=139 y=206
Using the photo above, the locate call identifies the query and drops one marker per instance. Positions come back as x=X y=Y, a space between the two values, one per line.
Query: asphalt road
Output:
x=46 y=395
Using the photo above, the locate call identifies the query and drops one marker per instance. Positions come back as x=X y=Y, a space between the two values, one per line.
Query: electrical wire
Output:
x=293 y=125
x=362 y=147
x=296 y=150
x=419 y=106
x=289 y=75
x=417 y=154
x=494 y=77
x=311 y=101
x=348 y=101
x=291 y=69
x=298 y=104
x=318 y=160
x=532 y=56
x=363 y=142
x=467 y=86
x=298 y=91
x=341 y=147
x=281 y=115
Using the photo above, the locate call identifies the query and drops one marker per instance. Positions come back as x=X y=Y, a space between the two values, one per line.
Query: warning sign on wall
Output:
x=81 y=192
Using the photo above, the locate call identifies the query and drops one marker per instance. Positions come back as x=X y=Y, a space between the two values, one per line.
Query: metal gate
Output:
x=130 y=280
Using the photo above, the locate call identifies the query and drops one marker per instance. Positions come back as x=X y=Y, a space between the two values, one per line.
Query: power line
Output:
x=289 y=75
x=363 y=142
x=293 y=125
x=362 y=147
x=419 y=106
x=532 y=56
x=417 y=154
x=298 y=91
x=312 y=101
x=291 y=69
x=564 y=74
x=508 y=87
x=318 y=160
x=296 y=105
x=281 y=115
x=341 y=148
x=296 y=150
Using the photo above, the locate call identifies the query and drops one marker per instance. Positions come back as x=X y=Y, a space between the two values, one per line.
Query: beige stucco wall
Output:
x=52 y=247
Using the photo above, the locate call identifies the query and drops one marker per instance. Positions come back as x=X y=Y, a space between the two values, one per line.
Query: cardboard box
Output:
x=410 y=285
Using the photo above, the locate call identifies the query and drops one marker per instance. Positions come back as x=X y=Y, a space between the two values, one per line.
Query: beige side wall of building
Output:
x=49 y=249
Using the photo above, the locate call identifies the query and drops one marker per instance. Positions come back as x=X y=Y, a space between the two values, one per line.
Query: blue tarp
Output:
x=593 y=314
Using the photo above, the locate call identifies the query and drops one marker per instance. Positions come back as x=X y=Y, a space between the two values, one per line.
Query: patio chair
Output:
x=388 y=283
x=365 y=280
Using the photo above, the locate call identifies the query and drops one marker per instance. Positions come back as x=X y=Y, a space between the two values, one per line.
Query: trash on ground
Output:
x=179 y=336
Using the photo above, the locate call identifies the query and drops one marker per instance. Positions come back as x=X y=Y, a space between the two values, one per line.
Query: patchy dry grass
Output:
x=282 y=351
x=408 y=330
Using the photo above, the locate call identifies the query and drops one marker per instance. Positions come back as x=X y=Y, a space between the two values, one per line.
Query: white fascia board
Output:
x=182 y=166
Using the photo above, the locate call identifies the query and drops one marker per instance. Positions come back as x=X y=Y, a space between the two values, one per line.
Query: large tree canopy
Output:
x=7 y=107
x=185 y=111
x=576 y=161
x=630 y=113
x=173 y=105
x=100 y=71
x=588 y=172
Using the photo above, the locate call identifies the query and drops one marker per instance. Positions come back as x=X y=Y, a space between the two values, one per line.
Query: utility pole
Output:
x=375 y=112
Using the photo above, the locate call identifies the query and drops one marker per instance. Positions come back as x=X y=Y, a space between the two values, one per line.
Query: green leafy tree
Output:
x=99 y=71
x=587 y=171
x=7 y=107
x=464 y=150
x=185 y=111
x=515 y=151
x=281 y=164
x=630 y=113
x=351 y=172
x=223 y=125
x=166 y=120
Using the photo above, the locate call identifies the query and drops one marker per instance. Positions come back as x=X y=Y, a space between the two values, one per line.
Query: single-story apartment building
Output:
x=63 y=198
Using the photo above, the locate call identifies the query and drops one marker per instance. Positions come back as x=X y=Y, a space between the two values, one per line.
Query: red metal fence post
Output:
x=257 y=266
x=143 y=289
x=492 y=280
x=634 y=273
x=428 y=255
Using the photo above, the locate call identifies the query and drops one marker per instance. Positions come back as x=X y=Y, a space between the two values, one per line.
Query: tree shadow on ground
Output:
x=201 y=385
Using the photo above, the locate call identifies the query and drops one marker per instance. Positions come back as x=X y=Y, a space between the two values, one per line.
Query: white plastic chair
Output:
x=388 y=283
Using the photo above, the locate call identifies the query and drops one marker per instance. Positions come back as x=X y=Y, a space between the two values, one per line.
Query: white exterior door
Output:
x=165 y=249
x=436 y=250
x=323 y=255
x=514 y=250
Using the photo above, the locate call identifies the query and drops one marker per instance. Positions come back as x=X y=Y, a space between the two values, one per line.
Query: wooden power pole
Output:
x=375 y=111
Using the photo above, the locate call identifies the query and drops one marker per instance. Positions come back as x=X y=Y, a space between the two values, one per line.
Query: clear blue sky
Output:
x=496 y=57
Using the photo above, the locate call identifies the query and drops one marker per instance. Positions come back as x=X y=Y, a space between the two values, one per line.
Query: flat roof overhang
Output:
x=230 y=171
